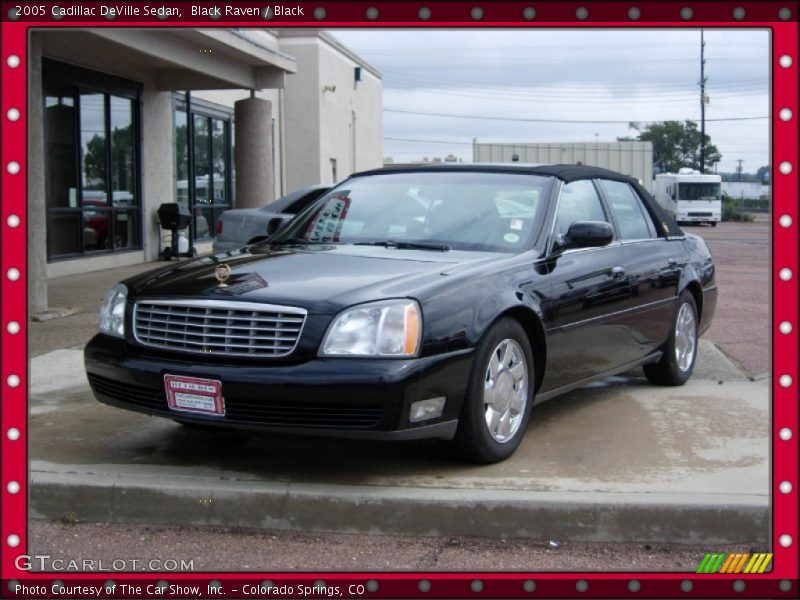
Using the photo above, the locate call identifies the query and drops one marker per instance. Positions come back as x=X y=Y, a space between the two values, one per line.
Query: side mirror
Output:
x=589 y=234
x=274 y=224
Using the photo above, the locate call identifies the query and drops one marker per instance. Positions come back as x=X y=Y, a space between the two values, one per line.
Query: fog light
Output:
x=426 y=409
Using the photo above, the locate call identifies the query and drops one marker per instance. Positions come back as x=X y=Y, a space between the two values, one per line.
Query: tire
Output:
x=680 y=352
x=503 y=365
x=713 y=223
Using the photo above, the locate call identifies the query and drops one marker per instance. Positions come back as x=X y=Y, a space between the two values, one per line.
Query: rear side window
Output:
x=632 y=217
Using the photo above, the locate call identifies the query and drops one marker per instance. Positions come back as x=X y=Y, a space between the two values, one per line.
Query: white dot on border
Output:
x=424 y=13
x=785 y=61
x=582 y=585
x=13 y=487
x=739 y=13
x=686 y=13
x=13 y=540
x=13 y=167
x=686 y=586
x=785 y=114
x=13 y=221
x=582 y=13
x=13 y=434
x=634 y=585
x=424 y=586
x=785 y=380
x=476 y=13
x=634 y=13
x=12 y=327
x=785 y=274
x=785 y=327
x=785 y=221
x=13 y=274
x=785 y=585
x=785 y=540
x=12 y=380
x=529 y=13
x=785 y=434
x=785 y=487
x=13 y=114
x=785 y=167
x=13 y=61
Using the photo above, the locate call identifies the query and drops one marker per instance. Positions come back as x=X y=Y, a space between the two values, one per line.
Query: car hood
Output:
x=322 y=279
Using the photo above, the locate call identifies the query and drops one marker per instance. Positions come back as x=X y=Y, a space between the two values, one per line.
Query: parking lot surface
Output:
x=742 y=257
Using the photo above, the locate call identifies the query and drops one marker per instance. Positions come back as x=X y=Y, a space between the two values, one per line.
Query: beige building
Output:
x=209 y=118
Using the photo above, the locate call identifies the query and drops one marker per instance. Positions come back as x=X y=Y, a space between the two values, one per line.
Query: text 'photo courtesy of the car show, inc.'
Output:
x=399 y=299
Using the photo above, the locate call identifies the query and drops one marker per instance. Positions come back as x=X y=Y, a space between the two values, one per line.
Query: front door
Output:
x=589 y=293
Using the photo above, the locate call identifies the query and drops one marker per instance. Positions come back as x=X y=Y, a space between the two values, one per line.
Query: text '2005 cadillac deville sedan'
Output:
x=425 y=302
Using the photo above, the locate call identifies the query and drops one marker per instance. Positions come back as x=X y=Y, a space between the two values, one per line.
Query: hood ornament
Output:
x=222 y=273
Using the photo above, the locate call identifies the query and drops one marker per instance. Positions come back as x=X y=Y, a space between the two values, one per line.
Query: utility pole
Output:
x=702 y=104
x=739 y=169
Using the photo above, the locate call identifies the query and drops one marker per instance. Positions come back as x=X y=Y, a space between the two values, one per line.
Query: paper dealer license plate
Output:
x=193 y=394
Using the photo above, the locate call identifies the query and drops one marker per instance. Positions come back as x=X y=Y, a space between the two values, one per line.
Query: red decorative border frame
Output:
x=781 y=582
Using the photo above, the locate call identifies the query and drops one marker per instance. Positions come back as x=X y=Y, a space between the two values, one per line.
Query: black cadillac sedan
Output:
x=426 y=302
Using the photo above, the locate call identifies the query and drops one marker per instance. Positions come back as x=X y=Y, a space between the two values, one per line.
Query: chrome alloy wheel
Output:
x=505 y=390
x=685 y=337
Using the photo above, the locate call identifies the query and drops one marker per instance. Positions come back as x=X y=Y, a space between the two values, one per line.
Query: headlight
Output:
x=389 y=328
x=112 y=311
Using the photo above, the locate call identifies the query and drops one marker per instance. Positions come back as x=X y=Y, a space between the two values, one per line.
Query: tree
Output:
x=763 y=174
x=676 y=145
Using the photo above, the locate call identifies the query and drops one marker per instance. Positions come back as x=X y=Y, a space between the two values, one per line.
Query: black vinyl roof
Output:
x=566 y=173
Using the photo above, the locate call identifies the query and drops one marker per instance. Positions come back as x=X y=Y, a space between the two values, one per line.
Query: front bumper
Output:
x=341 y=397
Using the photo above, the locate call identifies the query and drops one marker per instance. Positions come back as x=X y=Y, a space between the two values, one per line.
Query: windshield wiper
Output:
x=400 y=245
x=297 y=241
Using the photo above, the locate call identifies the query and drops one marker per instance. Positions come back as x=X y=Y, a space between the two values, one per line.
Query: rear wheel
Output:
x=499 y=395
x=680 y=351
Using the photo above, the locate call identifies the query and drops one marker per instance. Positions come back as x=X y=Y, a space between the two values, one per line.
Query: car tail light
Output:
x=219 y=227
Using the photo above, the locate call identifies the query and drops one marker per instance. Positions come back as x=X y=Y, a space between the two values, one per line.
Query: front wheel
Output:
x=680 y=351
x=499 y=395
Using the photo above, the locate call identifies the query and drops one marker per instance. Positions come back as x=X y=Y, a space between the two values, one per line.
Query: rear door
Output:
x=654 y=265
x=589 y=287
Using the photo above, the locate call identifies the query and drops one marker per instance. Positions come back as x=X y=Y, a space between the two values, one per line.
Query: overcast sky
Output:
x=566 y=75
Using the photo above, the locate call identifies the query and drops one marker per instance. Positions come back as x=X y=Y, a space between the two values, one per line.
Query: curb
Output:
x=598 y=517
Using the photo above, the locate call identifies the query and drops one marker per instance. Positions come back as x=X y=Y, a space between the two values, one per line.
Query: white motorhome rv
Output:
x=690 y=197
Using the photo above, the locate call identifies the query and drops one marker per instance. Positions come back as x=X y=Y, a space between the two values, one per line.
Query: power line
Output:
x=533 y=120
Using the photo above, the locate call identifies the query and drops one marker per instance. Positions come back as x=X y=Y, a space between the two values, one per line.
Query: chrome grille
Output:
x=218 y=327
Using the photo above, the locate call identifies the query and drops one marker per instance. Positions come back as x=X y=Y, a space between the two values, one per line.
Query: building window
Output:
x=92 y=169
x=203 y=168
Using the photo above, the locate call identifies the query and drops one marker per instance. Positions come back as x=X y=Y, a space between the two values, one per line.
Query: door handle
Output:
x=618 y=273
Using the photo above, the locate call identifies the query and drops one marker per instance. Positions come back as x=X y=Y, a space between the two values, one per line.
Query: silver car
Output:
x=242 y=226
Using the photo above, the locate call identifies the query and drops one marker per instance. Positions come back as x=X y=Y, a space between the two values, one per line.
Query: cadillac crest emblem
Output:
x=222 y=273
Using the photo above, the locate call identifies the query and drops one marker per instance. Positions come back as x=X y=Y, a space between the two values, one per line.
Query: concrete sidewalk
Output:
x=617 y=461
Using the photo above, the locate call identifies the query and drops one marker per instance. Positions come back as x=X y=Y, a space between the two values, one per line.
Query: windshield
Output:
x=495 y=212
x=699 y=191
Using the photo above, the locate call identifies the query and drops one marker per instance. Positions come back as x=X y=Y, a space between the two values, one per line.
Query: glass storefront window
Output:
x=203 y=178
x=91 y=162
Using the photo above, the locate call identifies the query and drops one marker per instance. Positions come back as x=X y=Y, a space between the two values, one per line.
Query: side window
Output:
x=632 y=217
x=578 y=202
